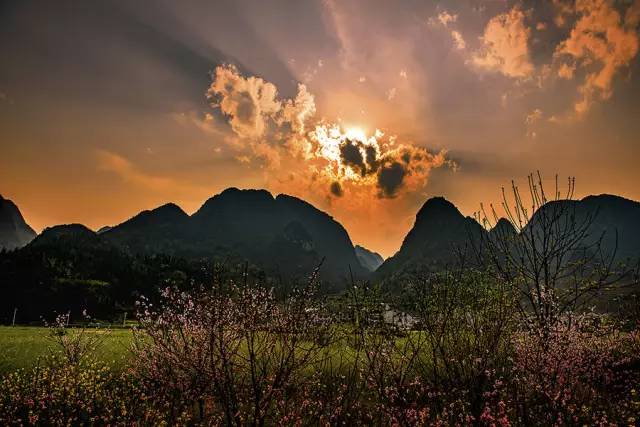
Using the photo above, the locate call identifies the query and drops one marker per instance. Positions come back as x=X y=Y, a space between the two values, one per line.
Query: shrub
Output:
x=579 y=373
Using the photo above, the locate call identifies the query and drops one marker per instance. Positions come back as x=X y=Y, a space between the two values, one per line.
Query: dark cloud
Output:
x=352 y=156
x=336 y=189
x=390 y=179
x=372 y=157
x=351 y=152
x=406 y=157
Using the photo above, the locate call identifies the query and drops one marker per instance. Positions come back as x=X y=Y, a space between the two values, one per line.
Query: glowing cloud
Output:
x=338 y=159
x=458 y=40
x=505 y=46
x=444 y=18
x=601 y=43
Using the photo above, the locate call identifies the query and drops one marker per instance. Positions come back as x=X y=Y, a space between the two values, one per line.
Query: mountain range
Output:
x=278 y=240
x=288 y=236
x=441 y=233
x=282 y=235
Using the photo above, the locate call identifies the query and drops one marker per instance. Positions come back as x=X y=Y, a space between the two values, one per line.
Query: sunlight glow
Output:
x=355 y=132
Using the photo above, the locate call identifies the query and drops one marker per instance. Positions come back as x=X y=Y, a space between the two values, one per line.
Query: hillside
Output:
x=14 y=230
x=284 y=235
x=368 y=259
x=439 y=232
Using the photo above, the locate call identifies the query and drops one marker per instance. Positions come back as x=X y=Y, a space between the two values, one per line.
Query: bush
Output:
x=230 y=355
x=577 y=374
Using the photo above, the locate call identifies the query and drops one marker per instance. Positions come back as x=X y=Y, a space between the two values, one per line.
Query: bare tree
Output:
x=552 y=256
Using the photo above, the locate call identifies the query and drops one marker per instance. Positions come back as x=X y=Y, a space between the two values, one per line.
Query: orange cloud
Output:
x=130 y=174
x=505 y=46
x=530 y=121
x=444 y=18
x=601 y=43
x=340 y=160
x=248 y=102
x=458 y=40
x=566 y=71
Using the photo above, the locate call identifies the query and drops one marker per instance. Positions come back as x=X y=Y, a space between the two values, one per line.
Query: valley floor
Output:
x=23 y=346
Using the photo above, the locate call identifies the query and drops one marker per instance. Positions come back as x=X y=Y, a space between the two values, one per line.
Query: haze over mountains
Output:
x=368 y=259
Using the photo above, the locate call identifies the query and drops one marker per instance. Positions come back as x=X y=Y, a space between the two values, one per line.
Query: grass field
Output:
x=23 y=346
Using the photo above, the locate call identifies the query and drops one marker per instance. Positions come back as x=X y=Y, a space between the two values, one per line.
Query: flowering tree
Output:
x=76 y=343
x=234 y=351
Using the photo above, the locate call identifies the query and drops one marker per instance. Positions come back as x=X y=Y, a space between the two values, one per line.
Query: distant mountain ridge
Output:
x=276 y=240
x=14 y=230
x=615 y=219
x=283 y=233
x=368 y=259
x=289 y=236
x=440 y=230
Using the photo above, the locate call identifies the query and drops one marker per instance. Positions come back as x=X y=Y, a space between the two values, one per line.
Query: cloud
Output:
x=390 y=179
x=336 y=189
x=297 y=111
x=370 y=162
x=566 y=71
x=458 y=40
x=289 y=140
x=530 y=121
x=444 y=18
x=252 y=106
x=247 y=102
x=130 y=174
x=262 y=122
x=352 y=156
x=505 y=46
x=632 y=16
x=600 y=43
x=533 y=116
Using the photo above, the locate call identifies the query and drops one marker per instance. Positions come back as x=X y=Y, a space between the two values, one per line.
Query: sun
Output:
x=355 y=132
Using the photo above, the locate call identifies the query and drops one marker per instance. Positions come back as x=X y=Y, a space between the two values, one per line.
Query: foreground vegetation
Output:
x=507 y=338
x=235 y=355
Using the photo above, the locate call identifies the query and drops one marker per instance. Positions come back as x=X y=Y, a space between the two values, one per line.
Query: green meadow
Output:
x=24 y=346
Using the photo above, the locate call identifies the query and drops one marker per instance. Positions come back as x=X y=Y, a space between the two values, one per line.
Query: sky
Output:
x=363 y=108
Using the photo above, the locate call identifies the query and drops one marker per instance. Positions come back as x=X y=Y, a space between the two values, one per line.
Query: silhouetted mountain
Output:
x=614 y=218
x=153 y=231
x=615 y=214
x=104 y=229
x=368 y=259
x=71 y=268
x=14 y=231
x=283 y=235
x=330 y=240
x=439 y=232
x=64 y=232
x=503 y=228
